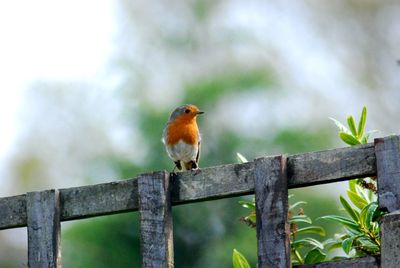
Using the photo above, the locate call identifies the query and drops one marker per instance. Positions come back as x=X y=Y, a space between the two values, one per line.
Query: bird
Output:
x=181 y=137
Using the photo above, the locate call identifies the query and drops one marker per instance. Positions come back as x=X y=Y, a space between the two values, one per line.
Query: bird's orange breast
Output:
x=183 y=129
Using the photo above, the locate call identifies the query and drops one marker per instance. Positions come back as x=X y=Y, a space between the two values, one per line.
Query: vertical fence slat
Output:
x=156 y=220
x=387 y=151
x=390 y=243
x=43 y=220
x=271 y=194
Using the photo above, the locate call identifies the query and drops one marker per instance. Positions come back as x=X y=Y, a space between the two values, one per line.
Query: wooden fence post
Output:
x=271 y=194
x=387 y=151
x=390 y=244
x=43 y=221
x=156 y=220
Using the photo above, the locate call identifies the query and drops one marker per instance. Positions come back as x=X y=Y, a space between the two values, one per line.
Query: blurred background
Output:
x=87 y=86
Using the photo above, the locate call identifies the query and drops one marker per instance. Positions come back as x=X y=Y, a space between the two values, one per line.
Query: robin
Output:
x=181 y=137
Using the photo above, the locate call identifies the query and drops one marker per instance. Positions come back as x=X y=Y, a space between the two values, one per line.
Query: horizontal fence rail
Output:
x=361 y=262
x=204 y=184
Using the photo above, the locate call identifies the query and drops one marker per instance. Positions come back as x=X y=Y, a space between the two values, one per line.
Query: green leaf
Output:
x=297 y=204
x=362 y=192
x=378 y=214
x=349 y=139
x=241 y=159
x=369 y=245
x=239 y=261
x=308 y=241
x=353 y=214
x=352 y=232
x=300 y=218
x=342 y=220
x=314 y=256
x=347 y=243
x=247 y=204
x=367 y=214
x=296 y=257
x=357 y=200
x=330 y=244
x=376 y=229
x=339 y=258
x=352 y=185
x=312 y=230
x=352 y=125
x=295 y=262
x=361 y=123
x=341 y=127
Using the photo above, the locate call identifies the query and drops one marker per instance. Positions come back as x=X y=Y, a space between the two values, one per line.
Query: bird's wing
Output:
x=198 y=153
x=165 y=132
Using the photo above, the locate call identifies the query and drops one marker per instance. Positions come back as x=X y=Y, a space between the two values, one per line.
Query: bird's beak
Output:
x=200 y=112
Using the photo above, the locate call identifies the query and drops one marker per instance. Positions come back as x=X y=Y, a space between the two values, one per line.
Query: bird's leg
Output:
x=177 y=165
x=191 y=165
x=173 y=170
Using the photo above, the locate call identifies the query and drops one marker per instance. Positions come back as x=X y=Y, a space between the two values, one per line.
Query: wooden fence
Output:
x=268 y=178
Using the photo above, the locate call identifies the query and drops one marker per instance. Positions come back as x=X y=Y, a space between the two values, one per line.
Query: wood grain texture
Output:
x=213 y=183
x=387 y=152
x=99 y=199
x=362 y=262
x=390 y=243
x=199 y=185
x=331 y=165
x=12 y=211
x=43 y=215
x=271 y=194
x=155 y=220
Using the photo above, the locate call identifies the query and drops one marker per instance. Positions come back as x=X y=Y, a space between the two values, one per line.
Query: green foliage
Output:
x=241 y=159
x=353 y=135
x=361 y=236
x=228 y=81
x=314 y=256
x=238 y=260
x=361 y=225
x=304 y=250
x=295 y=140
x=85 y=238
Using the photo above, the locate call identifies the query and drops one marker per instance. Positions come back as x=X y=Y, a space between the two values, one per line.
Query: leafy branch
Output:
x=361 y=234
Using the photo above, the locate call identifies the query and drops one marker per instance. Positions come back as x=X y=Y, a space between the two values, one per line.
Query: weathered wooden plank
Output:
x=213 y=183
x=99 y=199
x=332 y=165
x=155 y=220
x=271 y=194
x=43 y=215
x=303 y=170
x=387 y=152
x=12 y=211
x=362 y=262
x=205 y=184
x=390 y=243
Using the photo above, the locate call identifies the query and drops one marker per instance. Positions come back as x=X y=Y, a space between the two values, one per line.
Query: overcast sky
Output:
x=73 y=41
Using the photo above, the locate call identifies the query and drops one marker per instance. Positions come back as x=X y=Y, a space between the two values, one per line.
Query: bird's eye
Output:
x=187 y=111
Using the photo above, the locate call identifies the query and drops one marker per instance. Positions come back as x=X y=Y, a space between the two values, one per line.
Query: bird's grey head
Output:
x=187 y=110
